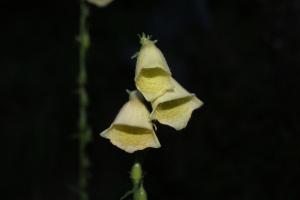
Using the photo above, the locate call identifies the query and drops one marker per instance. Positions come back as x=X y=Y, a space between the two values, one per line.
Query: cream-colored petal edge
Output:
x=131 y=138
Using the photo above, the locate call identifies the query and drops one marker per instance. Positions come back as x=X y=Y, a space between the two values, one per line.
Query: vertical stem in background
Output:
x=84 y=130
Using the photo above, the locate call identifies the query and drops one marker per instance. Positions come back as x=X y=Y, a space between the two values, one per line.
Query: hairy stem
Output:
x=84 y=129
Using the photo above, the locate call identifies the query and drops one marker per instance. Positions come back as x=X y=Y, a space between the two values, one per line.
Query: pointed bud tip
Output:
x=146 y=39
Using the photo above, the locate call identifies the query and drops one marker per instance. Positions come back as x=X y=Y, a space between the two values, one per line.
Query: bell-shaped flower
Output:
x=100 y=3
x=132 y=129
x=175 y=107
x=152 y=74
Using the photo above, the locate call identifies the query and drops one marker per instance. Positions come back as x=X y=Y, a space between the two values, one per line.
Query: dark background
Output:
x=241 y=58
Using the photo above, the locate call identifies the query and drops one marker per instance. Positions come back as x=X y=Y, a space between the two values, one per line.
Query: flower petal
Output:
x=175 y=107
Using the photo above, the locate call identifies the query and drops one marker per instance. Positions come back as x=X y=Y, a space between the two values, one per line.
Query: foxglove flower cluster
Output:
x=172 y=105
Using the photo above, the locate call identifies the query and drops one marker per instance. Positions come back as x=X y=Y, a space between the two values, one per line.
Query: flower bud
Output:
x=136 y=174
x=152 y=75
x=132 y=130
x=175 y=107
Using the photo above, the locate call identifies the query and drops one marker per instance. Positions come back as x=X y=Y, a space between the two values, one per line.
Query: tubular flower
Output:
x=100 y=3
x=152 y=75
x=175 y=107
x=132 y=130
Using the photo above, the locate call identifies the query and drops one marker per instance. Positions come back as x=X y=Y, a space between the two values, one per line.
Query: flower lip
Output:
x=174 y=102
x=130 y=138
x=175 y=107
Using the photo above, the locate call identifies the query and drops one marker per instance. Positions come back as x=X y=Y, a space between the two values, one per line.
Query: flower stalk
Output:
x=84 y=135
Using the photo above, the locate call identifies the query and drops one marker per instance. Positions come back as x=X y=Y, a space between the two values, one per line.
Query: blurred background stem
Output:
x=84 y=129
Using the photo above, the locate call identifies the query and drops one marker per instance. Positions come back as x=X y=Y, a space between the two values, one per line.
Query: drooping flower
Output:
x=132 y=130
x=175 y=107
x=152 y=75
x=100 y=3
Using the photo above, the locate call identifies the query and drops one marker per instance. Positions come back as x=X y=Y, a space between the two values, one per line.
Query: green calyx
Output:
x=146 y=39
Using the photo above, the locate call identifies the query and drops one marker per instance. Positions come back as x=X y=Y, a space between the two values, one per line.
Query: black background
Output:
x=241 y=58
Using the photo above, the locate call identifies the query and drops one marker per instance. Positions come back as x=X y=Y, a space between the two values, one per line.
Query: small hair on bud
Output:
x=154 y=126
x=135 y=55
x=128 y=91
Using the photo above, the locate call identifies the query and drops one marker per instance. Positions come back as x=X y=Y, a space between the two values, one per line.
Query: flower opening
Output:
x=175 y=107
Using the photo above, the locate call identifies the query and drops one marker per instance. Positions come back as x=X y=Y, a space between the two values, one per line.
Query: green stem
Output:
x=84 y=129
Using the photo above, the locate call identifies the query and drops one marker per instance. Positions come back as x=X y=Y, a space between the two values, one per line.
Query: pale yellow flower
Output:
x=100 y=3
x=152 y=75
x=132 y=130
x=175 y=107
